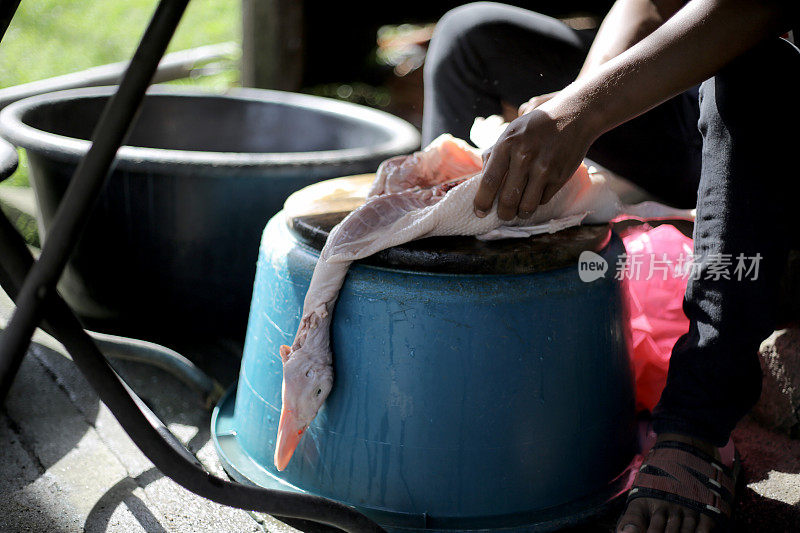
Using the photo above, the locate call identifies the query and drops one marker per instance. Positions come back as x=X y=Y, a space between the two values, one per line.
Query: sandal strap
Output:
x=719 y=515
x=680 y=473
x=697 y=452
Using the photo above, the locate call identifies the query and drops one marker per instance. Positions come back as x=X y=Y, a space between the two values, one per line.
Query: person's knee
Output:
x=463 y=34
x=753 y=97
x=464 y=24
x=761 y=81
x=465 y=19
x=770 y=62
x=453 y=30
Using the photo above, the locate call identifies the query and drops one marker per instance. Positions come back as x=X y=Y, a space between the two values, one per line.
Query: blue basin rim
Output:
x=242 y=468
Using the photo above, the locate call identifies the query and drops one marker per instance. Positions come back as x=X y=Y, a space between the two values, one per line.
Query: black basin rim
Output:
x=8 y=159
x=404 y=136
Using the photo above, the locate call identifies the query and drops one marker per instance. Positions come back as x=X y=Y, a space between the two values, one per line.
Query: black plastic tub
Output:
x=173 y=241
x=8 y=160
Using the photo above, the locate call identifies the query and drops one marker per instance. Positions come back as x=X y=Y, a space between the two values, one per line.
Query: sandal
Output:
x=680 y=473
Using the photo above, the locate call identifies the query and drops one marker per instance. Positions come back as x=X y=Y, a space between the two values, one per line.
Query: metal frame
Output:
x=32 y=285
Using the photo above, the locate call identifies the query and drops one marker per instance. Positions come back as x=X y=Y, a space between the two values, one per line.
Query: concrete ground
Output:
x=67 y=466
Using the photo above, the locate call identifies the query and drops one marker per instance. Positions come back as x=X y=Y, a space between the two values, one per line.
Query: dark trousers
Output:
x=728 y=147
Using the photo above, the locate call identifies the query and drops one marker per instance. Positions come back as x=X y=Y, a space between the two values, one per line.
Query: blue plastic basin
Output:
x=460 y=401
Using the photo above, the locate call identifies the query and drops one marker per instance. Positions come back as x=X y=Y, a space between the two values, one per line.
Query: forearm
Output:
x=627 y=23
x=690 y=47
x=540 y=150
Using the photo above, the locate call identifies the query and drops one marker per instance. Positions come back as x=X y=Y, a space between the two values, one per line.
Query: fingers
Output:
x=522 y=188
x=549 y=191
x=508 y=111
x=522 y=170
x=534 y=102
x=494 y=173
x=508 y=201
x=530 y=105
x=532 y=196
x=543 y=184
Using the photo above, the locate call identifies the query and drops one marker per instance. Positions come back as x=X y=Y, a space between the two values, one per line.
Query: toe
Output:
x=705 y=524
x=689 y=523
x=674 y=521
x=635 y=518
x=658 y=521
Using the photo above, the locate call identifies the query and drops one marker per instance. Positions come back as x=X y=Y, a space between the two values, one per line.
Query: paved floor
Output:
x=67 y=466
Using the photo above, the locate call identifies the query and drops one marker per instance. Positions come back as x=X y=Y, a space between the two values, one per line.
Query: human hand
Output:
x=533 y=158
x=535 y=102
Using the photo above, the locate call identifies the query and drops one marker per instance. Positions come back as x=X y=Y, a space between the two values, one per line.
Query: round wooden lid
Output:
x=313 y=211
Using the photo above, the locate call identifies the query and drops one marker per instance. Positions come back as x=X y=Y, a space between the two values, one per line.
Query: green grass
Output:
x=52 y=37
x=20 y=177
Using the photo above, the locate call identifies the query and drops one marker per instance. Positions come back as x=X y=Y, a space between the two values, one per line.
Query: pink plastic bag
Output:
x=656 y=274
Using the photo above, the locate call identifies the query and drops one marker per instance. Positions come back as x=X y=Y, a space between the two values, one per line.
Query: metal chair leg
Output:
x=152 y=437
x=84 y=188
x=7 y=10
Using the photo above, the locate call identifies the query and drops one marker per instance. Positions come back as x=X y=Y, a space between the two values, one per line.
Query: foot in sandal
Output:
x=682 y=487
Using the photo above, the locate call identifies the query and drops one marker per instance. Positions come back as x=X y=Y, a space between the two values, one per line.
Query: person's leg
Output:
x=748 y=193
x=483 y=54
x=749 y=114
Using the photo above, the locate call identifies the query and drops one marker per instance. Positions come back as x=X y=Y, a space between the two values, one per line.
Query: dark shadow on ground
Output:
x=122 y=493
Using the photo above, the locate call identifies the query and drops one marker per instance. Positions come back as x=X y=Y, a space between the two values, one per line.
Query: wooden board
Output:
x=314 y=210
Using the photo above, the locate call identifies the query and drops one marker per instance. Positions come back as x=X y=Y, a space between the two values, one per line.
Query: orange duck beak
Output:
x=289 y=433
